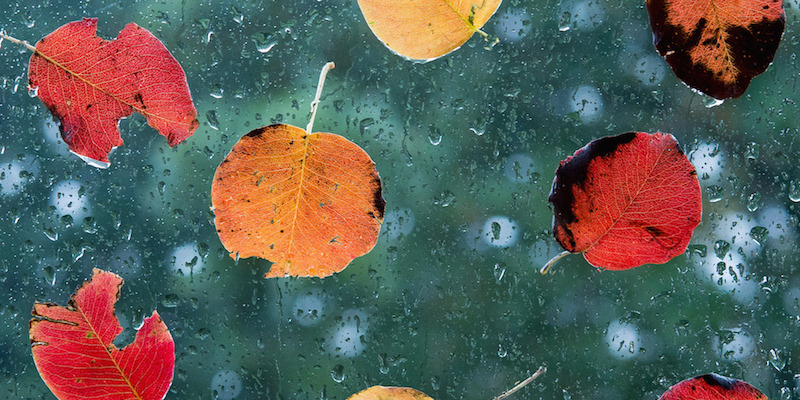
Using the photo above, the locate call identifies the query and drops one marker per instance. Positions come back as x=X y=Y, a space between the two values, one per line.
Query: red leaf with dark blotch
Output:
x=712 y=387
x=89 y=84
x=74 y=352
x=717 y=46
x=626 y=200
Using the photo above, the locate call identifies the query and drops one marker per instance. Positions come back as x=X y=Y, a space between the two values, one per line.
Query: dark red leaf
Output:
x=712 y=387
x=626 y=200
x=74 y=352
x=717 y=46
x=89 y=84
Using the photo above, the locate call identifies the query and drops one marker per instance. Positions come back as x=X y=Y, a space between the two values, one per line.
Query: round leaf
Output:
x=712 y=387
x=717 y=46
x=389 y=393
x=425 y=29
x=308 y=203
x=626 y=200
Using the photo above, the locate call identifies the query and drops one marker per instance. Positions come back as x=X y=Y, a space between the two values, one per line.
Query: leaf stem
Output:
x=329 y=66
x=522 y=384
x=552 y=261
x=15 y=40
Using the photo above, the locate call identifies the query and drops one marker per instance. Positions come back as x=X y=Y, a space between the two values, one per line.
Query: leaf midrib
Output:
x=299 y=196
x=108 y=352
x=633 y=200
x=100 y=89
x=462 y=17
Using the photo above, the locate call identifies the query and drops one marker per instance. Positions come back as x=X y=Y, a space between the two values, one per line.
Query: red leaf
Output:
x=89 y=84
x=626 y=200
x=712 y=387
x=717 y=46
x=73 y=350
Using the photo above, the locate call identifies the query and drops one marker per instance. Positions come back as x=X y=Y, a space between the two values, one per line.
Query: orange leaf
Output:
x=389 y=393
x=426 y=29
x=717 y=46
x=310 y=203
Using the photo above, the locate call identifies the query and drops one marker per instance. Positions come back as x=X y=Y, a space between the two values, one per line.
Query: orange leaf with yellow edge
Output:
x=309 y=203
x=426 y=29
x=389 y=393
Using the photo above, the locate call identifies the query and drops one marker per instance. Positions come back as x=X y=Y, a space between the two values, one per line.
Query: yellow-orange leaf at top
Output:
x=717 y=46
x=389 y=393
x=309 y=203
x=426 y=29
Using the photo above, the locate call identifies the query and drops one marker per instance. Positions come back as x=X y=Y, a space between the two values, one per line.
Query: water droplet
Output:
x=33 y=91
x=496 y=230
x=714 y=193
x=700 y=249
x=216 y=91
x=264 y=42
x=445 y=199
x=777 y=360
x=753 y=202
x=51 y=234
x=711 y=102
x=28 y=20
x=435 y=136
x=213 y=122
x=794 y=191
x=565 y=22
x=203 y=333
x=721 y=248
x=49 y=275
x=752 y=151
x=478 y=131
x=266 y=47
x=384 y=366
x=759 y=234
x=337 y=373
x=786 y=393
x=499 y=271
x=170 y=300
x=238 y=16
x=501 y=352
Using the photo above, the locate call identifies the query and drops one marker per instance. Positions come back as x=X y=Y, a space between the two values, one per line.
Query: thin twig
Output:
x=329 y=66
x=522 y=384
x=552 y=261
x=17 y=41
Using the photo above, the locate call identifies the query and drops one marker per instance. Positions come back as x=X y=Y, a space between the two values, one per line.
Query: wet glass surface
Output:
x=450 y=301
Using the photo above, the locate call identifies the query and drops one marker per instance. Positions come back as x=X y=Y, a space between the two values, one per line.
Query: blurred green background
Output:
x=450 y=301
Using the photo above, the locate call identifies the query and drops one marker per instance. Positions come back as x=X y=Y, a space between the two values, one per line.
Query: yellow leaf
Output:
x=426 y=29
x=389 y=393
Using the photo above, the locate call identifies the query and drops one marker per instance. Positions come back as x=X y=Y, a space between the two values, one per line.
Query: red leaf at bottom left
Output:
x=73 y=350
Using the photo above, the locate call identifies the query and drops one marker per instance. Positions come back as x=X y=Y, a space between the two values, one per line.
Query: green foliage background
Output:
x=436 y=306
